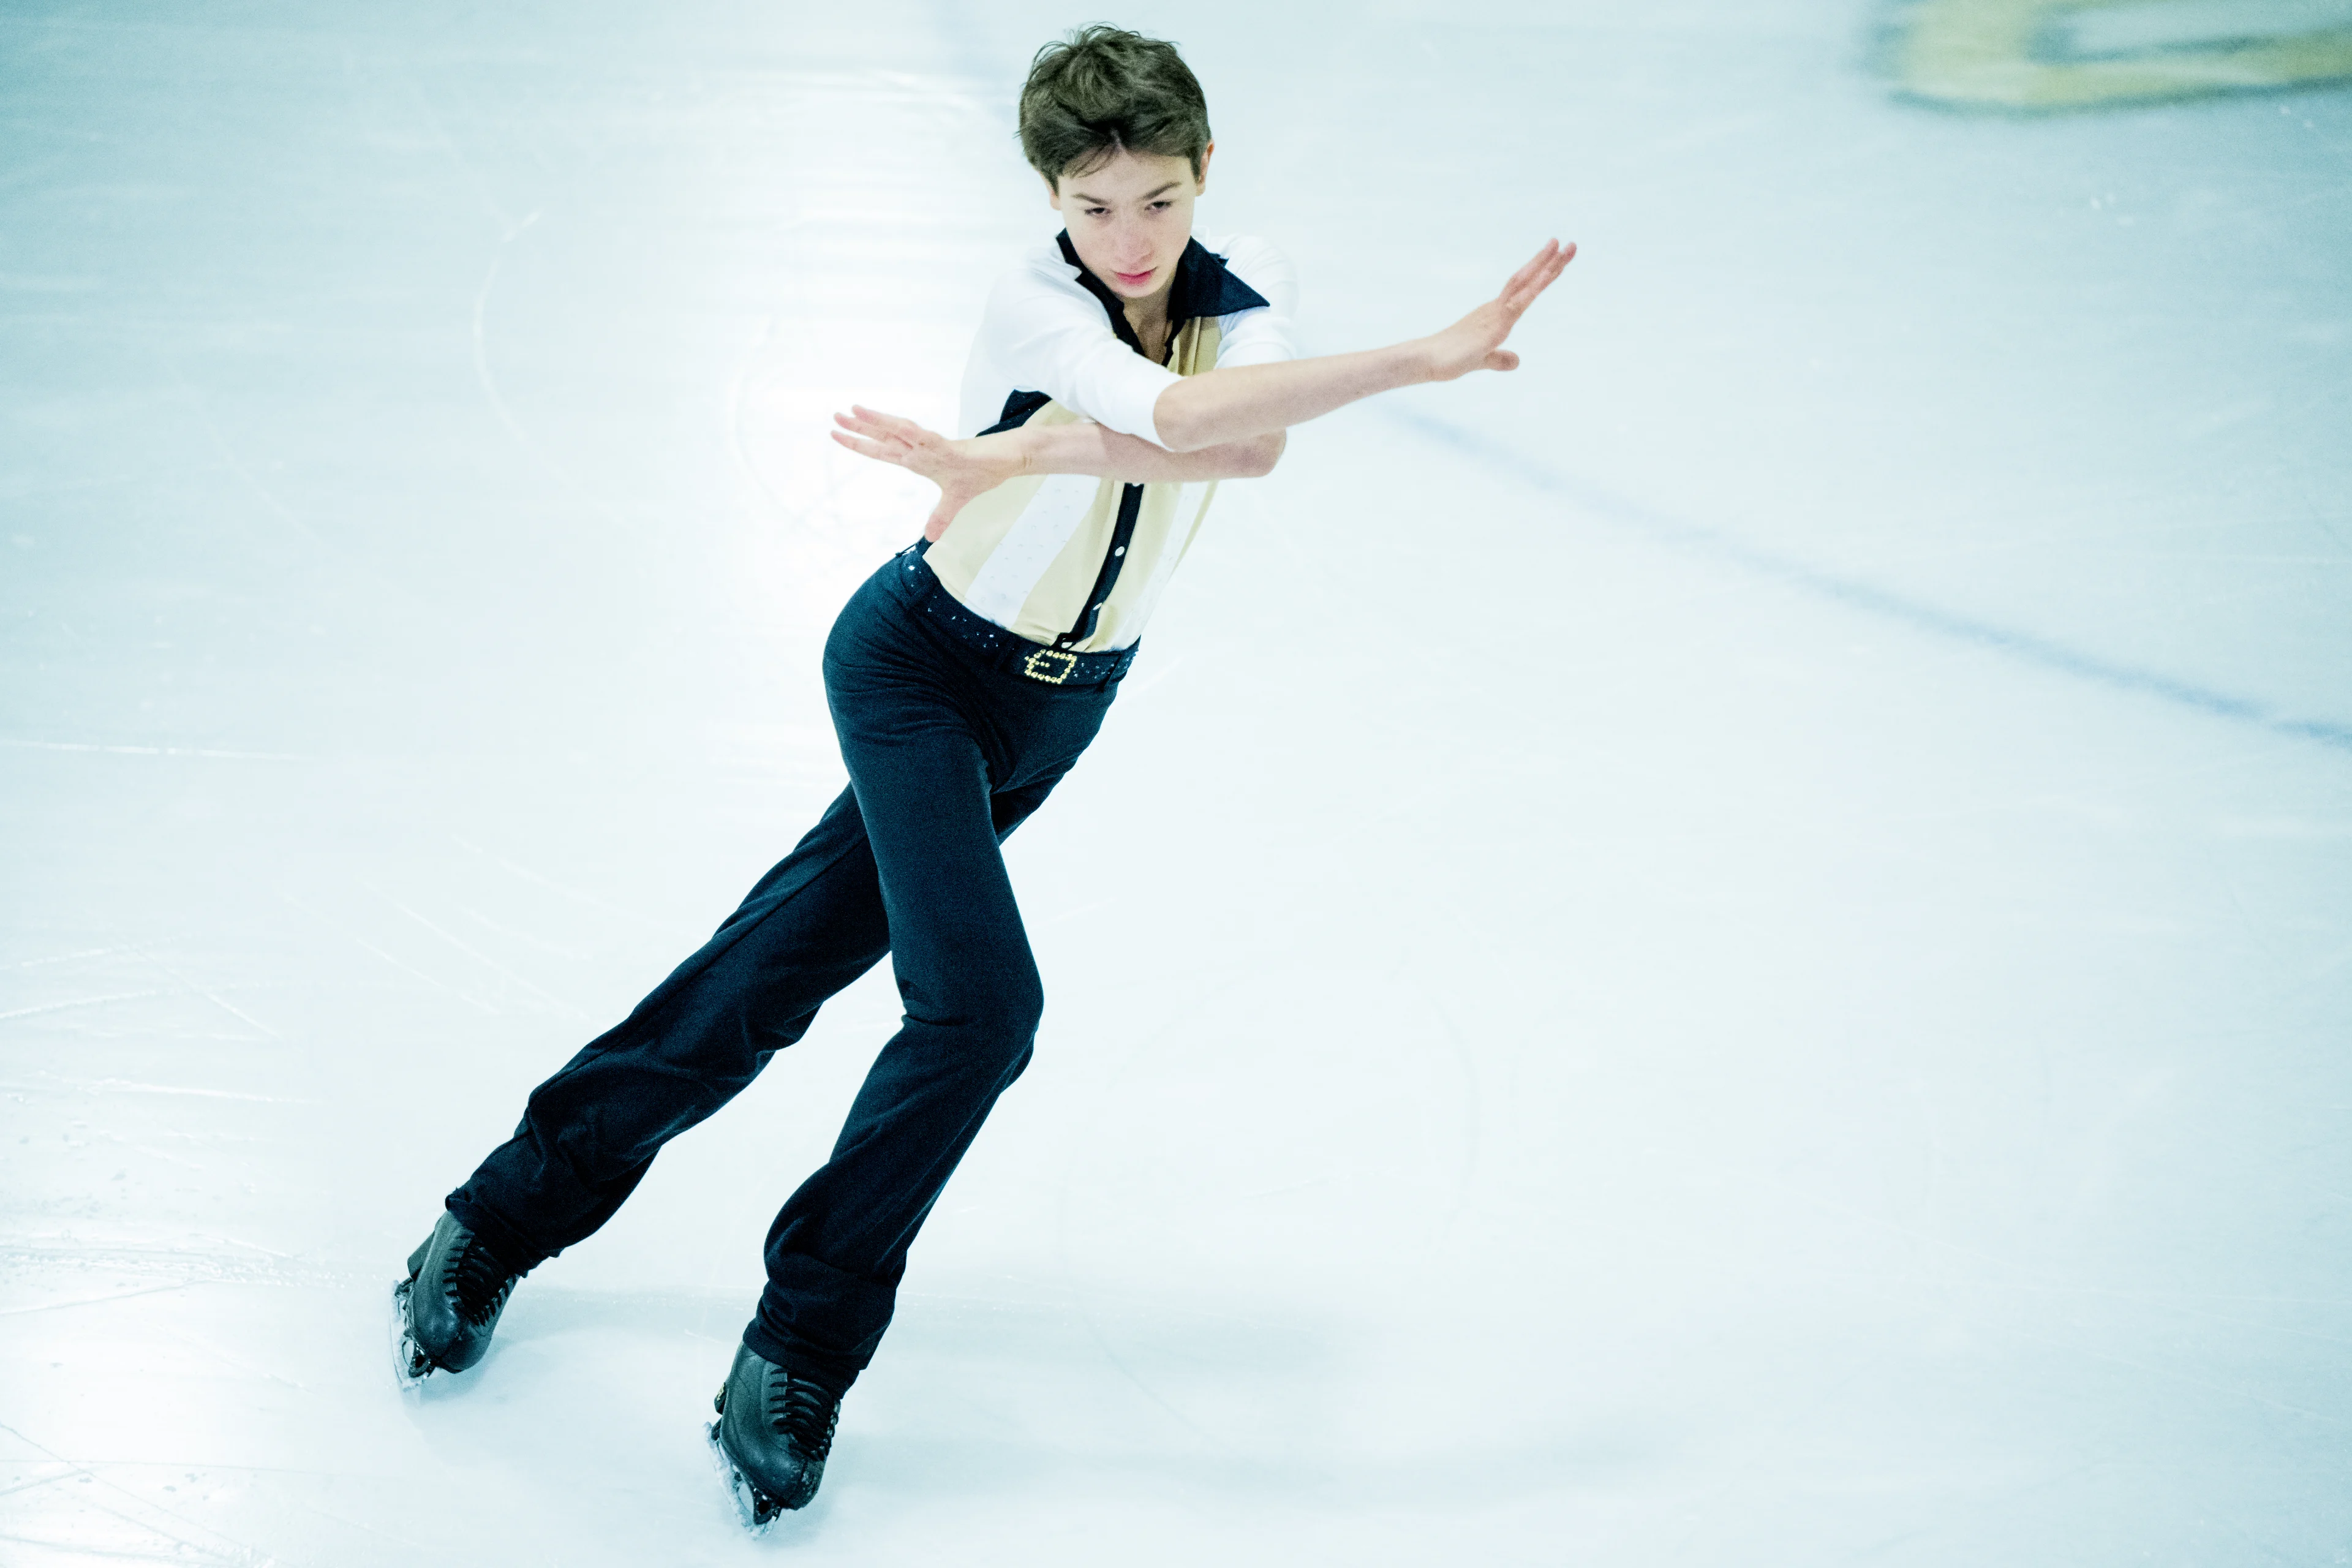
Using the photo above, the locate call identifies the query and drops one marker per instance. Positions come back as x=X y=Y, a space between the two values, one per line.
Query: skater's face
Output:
x=1129 y=218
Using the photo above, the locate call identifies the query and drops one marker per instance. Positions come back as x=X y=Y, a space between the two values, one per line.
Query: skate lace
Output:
x=802 y=1410
x=479 y=1284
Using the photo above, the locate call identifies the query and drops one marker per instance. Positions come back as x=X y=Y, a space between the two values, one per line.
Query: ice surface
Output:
x=1733 y=949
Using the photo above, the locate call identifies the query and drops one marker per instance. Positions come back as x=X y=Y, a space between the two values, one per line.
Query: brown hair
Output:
x=1103 y=90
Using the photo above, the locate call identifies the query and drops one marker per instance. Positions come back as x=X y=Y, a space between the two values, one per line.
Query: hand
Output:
x=1475 y=341
x=962 y=469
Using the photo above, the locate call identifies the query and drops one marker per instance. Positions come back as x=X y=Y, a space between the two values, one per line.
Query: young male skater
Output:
x=1121 y=370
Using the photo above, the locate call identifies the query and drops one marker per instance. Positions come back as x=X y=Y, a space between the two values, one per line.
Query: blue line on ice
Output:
x=1855 y=594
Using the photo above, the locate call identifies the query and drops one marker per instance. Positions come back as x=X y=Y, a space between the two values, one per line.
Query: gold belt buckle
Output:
x=1029 y=666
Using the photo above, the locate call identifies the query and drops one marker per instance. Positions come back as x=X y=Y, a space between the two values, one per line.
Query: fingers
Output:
x=1537 y=275
x=1534 y=283
x=884 y=437
x=865 y=448
x=1560 y=258
x=890 y=427
x=866 y=422
x=905 y=428
x=1519 y=279
x=1502 y=313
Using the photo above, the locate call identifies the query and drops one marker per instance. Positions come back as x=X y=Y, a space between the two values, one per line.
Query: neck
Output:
x=1152 y=309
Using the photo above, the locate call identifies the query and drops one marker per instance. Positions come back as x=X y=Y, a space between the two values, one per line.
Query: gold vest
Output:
x=1028 y=553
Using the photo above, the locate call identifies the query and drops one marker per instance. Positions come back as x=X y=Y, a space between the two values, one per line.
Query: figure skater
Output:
x=1122 y=369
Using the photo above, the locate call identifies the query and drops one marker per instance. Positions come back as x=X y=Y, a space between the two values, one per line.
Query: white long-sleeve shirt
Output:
x=1045 y=331
x=1066 y=560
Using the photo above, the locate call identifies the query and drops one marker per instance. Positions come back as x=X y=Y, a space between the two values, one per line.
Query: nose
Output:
x=1131 y=248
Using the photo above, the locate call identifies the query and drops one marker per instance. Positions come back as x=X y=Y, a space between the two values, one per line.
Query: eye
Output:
x=1096 y=212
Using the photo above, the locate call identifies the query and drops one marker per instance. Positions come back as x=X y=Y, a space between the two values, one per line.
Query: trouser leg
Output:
x=837 y=1251
x=945 y=760
x=588 y=1133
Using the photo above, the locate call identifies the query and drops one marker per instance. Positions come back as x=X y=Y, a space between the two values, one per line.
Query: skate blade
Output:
x=410 y=1365
x=754 y=1510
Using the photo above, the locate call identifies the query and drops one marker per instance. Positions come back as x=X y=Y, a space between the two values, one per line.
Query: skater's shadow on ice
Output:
x=623 y=1340
x=988 y=1398
x=543 y=1311
x=1135 y=1396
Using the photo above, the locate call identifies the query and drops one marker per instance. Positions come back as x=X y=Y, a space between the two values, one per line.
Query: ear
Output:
x=1202 y=184
x=1052 y=192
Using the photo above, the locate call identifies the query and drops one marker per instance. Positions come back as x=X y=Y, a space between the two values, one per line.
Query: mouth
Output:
x=1135 y=280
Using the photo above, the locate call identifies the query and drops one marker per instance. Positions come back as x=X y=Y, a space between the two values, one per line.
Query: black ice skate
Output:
x=450 y=1300
x=774 y=1431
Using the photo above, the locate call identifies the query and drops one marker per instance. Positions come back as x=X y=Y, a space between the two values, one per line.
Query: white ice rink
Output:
x=1743 y=951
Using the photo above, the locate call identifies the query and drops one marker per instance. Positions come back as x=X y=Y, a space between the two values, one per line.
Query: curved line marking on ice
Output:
x=2027 y=648
x=736 y=448
x=482 y=374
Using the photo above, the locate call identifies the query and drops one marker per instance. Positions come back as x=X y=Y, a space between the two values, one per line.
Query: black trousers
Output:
x=949 y=748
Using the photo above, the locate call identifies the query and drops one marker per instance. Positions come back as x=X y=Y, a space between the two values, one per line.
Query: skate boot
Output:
x=450 y=1300
x=774 y=1431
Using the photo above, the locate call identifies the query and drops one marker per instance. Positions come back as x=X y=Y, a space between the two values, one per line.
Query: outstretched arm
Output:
x=1222 y=405
x=1221 y=424
x=963 y=469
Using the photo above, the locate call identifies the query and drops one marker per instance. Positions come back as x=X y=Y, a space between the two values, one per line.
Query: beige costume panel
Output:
x=1027 y=553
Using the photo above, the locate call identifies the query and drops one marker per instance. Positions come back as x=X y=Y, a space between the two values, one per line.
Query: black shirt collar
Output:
x=1203 y=286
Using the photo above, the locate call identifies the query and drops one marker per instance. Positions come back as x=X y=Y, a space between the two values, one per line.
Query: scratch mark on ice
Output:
x=478 y=955
x=79 y=1002
x=92 y=1300
x=214 y=751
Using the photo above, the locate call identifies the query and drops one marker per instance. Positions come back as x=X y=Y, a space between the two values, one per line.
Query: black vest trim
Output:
x=1203 y=286
x=1017 y=409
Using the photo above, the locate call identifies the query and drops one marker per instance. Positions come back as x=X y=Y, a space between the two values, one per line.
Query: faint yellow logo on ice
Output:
x=2094 y=54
